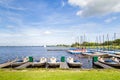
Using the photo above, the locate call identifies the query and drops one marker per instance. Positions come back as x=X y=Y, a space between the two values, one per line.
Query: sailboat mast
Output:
x=97 y=43
x=108 y=41
x=84 y=41
x=103 y=42
x=81 y=41
x=100 y=41
x=114 y=40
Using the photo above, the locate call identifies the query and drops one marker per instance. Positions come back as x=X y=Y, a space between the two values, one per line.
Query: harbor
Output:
x=83 y=60
x=59 y=39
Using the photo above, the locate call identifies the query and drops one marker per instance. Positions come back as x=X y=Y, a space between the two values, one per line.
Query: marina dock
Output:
x=113 y=55
x=56 y=49
x=24 y=65
x=102 y=65
x=64 y=65
x=7 y=64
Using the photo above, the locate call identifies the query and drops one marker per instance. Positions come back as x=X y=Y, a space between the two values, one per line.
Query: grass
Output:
x=57 y=74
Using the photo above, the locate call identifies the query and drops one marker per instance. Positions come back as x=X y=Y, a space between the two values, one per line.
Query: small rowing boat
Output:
x=41 y=63
x=73 y=64
x=109 y=62
x=53 y=62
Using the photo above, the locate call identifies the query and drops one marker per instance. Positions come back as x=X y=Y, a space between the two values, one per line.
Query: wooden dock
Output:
x=7 y=64
x=64 y=65
x=24 y=65
x=102 y=65
x=113 y=55
x=56 y=49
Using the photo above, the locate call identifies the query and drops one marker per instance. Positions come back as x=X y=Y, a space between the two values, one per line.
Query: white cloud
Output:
x=40 y=36
x=47 y=32
x=110 y=19
x=96 y=7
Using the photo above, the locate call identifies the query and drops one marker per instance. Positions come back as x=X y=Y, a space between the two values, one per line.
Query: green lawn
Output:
x=56 y=74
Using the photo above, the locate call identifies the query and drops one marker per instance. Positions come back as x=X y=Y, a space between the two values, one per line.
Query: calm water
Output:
x=10 y=53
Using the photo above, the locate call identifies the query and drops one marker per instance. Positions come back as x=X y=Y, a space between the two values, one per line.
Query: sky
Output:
x=51 y=22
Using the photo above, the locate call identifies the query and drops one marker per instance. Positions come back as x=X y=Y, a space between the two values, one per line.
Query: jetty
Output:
x=64 y=65
x=94 y=54
x=113 y=55
x=7 y=64
x=56 y=49
x=24 y=65
x=102 y=65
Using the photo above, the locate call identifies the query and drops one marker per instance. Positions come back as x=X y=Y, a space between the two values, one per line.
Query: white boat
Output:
x=20 y=62
x=41 y=63
x=77 y=51
x=109 y=62
x=73 y=64
x=53 y=62
x=117 y=53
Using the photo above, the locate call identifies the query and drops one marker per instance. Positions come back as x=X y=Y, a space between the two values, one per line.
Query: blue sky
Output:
x=41 y=22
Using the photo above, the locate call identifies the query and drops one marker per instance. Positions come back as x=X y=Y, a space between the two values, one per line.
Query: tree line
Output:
x=106 y=43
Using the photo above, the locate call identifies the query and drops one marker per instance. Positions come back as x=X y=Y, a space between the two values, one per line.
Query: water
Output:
x=10 y=53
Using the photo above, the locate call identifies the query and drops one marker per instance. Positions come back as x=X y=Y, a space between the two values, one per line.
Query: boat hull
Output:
x=15 y=64
x=75 y=65
x=53 y=65
x=115 y=64
x=39 y=64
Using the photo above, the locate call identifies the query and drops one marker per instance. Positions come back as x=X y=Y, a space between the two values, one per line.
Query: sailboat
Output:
x=78 y=50
x=44 y=46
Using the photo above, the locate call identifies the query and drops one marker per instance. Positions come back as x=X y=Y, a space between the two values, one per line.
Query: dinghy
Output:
x=73 y=64
x=53 y=63
x=116 y=59
x=109 y=62
x=20 y=62
x=41 y=63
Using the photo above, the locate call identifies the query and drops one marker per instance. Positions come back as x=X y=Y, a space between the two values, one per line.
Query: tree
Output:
x=116 y=42
x=75 y=44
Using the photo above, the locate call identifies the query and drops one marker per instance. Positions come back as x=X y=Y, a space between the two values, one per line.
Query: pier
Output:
x=56 y=49
x=64 y=65
x=24 y=65
x=102 y=65
x=7 y=64
x=113 y=55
